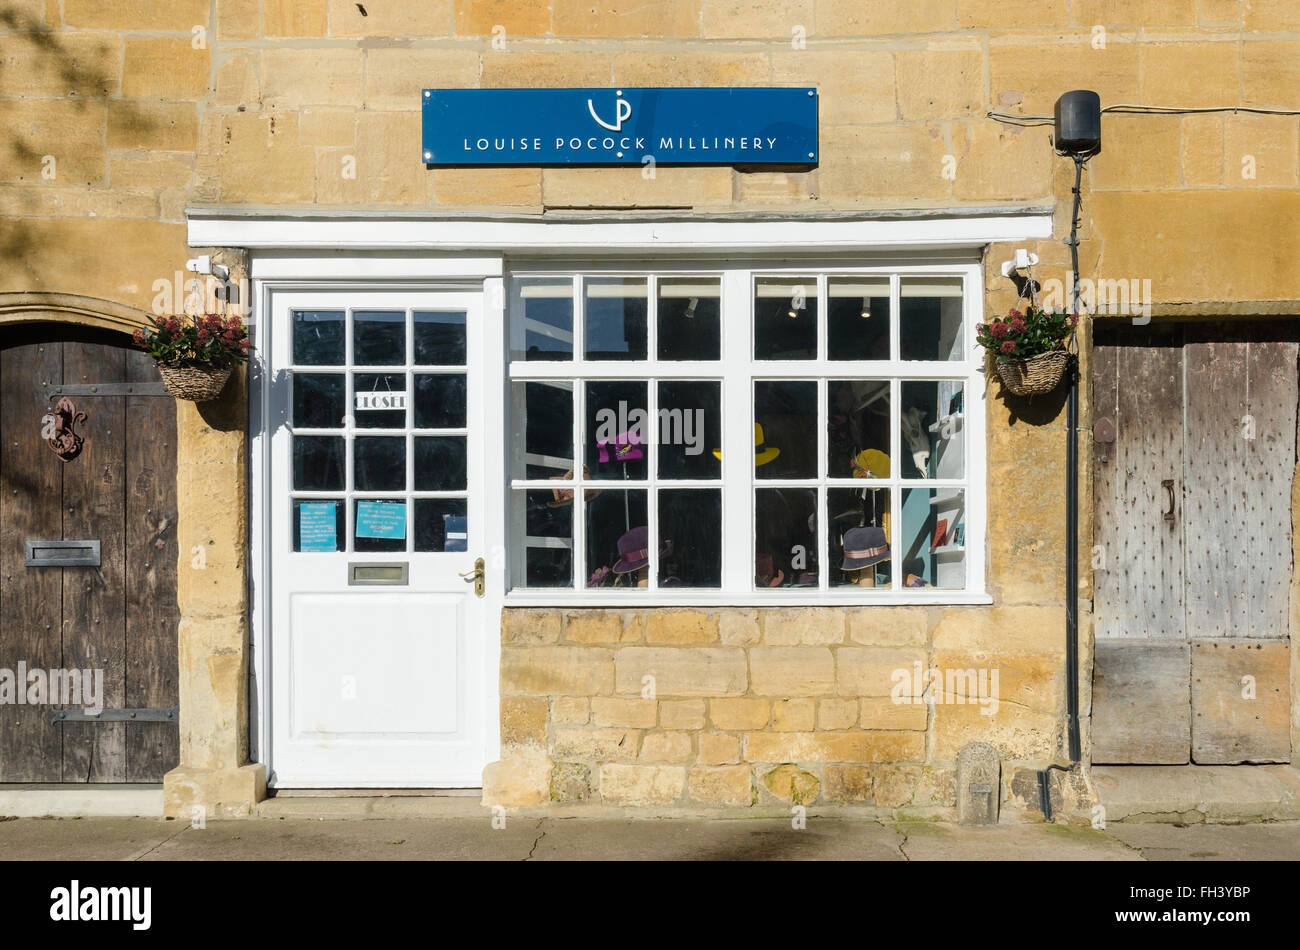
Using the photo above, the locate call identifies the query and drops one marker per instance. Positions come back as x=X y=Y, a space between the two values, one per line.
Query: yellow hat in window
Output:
x=872 y=463
x=763 y=453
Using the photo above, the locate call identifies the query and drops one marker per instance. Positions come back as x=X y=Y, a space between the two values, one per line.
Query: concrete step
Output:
x=81 y=801
x=1193 y=794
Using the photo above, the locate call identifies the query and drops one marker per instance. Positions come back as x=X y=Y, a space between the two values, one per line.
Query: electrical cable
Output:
x=1015 y=118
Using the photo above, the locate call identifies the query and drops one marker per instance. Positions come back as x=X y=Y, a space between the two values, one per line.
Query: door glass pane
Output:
x=546 y=527
x=440 y=463
x=929 y=317
x=441 y=525
x=785 y=318
x=933 y=548
x=934 y=432
x=378 y=390
x=860 y=532
x=541 y=318
x=318 y=400
x=689 y=318
x=379 y=525
x=439 y=401
x=318 y=525
x=690 y=429
x=379 y=463
x=785 y=531
x=615 y=318
x=690 y=524
x=541 y=438
x=318 y=337
x=785 y=436
x=379 y=337
x=439 y=337
x=318 y=463
x=857 y=430
x=618 y=545
x=617 y=429
x=857 y=318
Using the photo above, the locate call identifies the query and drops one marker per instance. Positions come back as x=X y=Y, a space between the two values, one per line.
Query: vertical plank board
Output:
x=1141 y=713
x=1235 y=719
x=31 y=479
x=1214 y=509
x=1269 y=459
x=1110 y=595
x=94 y=631
x=1149 y=451
x=152 y=613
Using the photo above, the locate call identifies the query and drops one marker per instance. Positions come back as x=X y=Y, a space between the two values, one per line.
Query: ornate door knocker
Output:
x=58 y=432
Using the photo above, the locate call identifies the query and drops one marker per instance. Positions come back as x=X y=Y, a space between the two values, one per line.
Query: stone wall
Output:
x=740 y=707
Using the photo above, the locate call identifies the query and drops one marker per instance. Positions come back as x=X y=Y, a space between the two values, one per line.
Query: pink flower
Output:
x=138 y=337
x=204 y=335
x=1017 y=325
x=1009 y=347
x=997 y=330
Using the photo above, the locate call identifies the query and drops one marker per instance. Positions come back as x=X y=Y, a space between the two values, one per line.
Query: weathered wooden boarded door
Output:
x=1193 y=462
x=119 y=616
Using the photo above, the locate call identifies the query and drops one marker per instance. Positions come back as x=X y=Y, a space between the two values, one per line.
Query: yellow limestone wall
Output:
x=117 y=115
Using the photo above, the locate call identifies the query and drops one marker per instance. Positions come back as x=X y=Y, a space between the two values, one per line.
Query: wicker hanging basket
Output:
x=1035 y=376
x=194 y=383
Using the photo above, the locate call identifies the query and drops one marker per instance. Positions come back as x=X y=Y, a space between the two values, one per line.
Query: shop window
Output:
x=848 y=390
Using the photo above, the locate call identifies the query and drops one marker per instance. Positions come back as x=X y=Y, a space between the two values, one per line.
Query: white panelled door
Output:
x=376 y=509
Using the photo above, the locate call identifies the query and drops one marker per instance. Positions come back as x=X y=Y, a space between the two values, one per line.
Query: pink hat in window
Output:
x=626 y=447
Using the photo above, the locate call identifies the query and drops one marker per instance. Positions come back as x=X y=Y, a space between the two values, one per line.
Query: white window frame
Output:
x=739 y=370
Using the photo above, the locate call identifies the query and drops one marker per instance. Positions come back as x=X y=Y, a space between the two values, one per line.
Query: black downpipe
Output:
x=1071 y=524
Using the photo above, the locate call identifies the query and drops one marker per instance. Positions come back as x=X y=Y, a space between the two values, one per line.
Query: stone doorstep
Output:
x=81 y=801
x=1193 y=794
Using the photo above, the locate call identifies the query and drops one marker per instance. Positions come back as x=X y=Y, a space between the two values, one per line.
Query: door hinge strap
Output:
x=168 y=714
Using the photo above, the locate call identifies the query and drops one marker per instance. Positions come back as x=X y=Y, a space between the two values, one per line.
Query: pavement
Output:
x=473 y=837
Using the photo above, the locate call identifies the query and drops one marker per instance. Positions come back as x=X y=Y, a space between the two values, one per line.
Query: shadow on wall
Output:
x=80 y=83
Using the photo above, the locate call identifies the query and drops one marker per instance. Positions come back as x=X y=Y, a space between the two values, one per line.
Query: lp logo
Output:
x=622 y=111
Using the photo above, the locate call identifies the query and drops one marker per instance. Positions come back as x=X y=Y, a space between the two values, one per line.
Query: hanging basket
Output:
x=194 y=383
x=1035 y=376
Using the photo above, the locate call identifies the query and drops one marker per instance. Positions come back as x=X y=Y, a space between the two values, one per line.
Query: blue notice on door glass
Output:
x=457 y=538
x=381 y=519
x=317 y=527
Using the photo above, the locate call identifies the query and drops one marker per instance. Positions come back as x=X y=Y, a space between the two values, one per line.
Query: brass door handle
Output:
x=1168 y=485
x=477 y=577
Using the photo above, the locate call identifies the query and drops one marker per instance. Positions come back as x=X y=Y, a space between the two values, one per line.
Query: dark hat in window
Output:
x=864 y=547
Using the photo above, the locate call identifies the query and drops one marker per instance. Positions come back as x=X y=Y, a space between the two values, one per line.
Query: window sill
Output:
x=630 y=601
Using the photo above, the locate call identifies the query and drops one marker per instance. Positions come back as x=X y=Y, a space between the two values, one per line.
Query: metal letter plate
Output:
x=62 y=553
x=377 y=574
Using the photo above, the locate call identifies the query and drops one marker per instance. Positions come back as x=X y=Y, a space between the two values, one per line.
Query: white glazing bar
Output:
x=737 y=433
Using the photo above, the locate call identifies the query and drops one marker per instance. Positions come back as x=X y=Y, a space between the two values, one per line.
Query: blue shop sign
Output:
x=671 y=126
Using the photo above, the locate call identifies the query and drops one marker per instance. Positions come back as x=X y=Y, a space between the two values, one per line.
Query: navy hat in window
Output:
x=864 y=547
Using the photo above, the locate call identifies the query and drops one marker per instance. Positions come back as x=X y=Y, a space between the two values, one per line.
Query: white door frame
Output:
x=479 y=275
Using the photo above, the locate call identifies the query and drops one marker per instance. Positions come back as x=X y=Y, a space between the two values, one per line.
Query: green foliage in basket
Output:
x=205 y=339
x=1020 y=336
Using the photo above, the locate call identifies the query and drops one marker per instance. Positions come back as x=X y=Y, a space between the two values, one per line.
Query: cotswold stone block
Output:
x=609 y=711
x=593 y=626
x=666 y=747
x=834 y=746
x=855 y=18
x=389 y=19
x=552 y=671
x=747 y=19
x=1270 y=141
x=627 y=18
x=523 y=720
x=1146 y=13
x=156 y=126
x=794 y=715
x=793 y=784
x=1136 y=162
x=261 y=160
x=294 y=18
x=334 y=126
x=682 y=714
x=641 y=784
x=170 y=15
x=479 y=17
x=837 y=713
x=1201 y=154
x=792 y=671
x=598 y=744
x=571 y=710
x=1041 y=66
x=1218 y=73
x=73 y=132
x=570 y=782
x=629 y=188
x=504 y=69
x=810 y=626
x=713 y=68
x=393 y=76
x=519 y=779
x=888 y=626
x=870 y=671
x=488 y=187
x=298 y=77
x=879 y=163
x=738 y=628
x=1001 y=162
x=738 y=713
x=680 y=626
x=895 y=786
x=847 y=783
x=164 y=68
x=722 y=786
x=940 y=83
x=529 y=627
x=937 y=787
x=682 y=671
x=32 y=69
x=881 y=712
x=992 y=14
x=853 y=87
x=718 y=749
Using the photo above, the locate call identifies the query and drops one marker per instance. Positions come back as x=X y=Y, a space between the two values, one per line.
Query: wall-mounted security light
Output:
x=1078 y=123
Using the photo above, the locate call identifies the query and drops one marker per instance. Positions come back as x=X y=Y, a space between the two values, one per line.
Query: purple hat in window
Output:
x=634 y=550
x=626 y=447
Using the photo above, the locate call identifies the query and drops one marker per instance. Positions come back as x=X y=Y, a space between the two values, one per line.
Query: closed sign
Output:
x=381 y=400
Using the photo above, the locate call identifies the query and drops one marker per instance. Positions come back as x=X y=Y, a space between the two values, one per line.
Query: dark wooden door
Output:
x=1194 y=457
x=120 y=616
